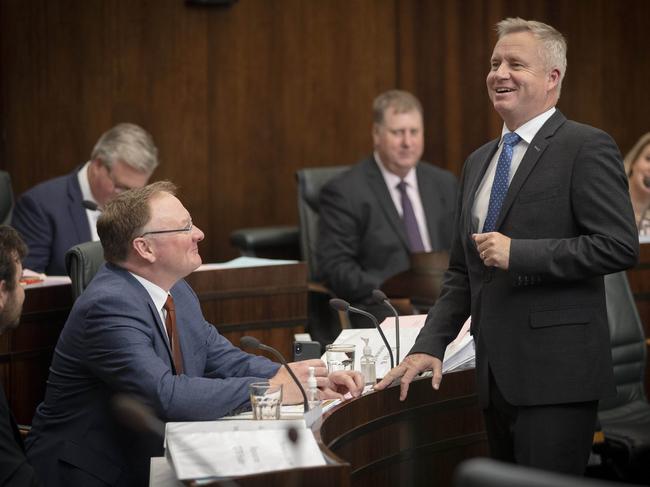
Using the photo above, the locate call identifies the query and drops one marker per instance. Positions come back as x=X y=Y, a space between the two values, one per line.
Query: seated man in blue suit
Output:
x=51 y=217
x=14 y=469
x=120 y=337
x=384 y=208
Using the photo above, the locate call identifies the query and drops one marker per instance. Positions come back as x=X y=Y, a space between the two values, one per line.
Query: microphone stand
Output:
x=342 y=305
x=381 y=298
x=253 y=343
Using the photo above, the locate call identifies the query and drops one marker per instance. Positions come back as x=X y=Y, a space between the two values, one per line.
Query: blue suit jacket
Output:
x=51 y=219
x=112 y=342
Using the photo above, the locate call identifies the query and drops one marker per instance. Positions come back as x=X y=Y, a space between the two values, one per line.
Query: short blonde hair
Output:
x=635 y=152
x=399 y=100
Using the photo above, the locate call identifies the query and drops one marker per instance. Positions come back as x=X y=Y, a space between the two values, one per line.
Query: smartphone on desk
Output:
x=306 y=350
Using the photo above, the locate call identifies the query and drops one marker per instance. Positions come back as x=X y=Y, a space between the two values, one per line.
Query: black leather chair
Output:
x=277 y=242
x=625 y=418
x=310 y=182
x=82 y=263
x=484 y=472
x=6 y=198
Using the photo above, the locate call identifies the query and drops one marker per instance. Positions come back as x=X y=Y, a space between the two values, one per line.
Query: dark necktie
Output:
x=410 y=222
x=501 y=182
x=172 y=334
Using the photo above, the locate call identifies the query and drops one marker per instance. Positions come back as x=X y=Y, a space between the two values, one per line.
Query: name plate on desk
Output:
x=235 y=448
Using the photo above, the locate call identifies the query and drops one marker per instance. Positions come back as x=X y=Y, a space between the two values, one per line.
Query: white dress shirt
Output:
x=527 y=132
x=411 y=180
x=158 y=296
x=87 y=194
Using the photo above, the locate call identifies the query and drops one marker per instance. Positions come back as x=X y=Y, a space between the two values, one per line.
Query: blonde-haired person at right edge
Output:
x=637 y=168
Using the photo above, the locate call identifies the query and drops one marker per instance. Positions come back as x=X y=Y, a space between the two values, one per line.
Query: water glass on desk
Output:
x=340 y=356
x=266 y=400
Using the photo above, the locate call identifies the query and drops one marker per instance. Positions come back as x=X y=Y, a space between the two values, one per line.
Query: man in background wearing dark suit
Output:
x=544 y=214
x=51 y=217
x=14 y=469
x=386 y=207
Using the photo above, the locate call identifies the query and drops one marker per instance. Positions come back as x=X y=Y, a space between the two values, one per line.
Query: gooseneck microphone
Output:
x=90 y=205
x=342 y=305
x=381 y=298
x=253 y=343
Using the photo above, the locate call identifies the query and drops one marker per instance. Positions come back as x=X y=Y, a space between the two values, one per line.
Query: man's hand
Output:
x=340 y=383
x=493 y=248
x=410 y=367
x=291 y=393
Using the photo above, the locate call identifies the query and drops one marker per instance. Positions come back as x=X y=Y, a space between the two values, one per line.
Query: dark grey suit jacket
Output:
x=362 y=240
x=542 y=325
x=51 y=219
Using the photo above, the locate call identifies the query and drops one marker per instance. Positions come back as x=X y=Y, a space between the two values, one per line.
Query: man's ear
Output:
x=144 y=249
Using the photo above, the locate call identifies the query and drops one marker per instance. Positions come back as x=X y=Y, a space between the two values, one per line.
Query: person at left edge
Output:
x=115 y=340
x=50 y=216
x=14 y=469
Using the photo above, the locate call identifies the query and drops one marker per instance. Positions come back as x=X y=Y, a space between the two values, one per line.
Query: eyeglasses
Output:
x=186 y=229
x=119 y=187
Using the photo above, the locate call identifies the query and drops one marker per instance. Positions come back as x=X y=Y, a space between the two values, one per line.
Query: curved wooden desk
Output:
x=416 y=442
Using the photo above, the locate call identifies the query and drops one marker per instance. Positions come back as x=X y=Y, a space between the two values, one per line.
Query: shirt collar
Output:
x=391 y=179
x=84 y=185
x=158 y=294
x=528 y=130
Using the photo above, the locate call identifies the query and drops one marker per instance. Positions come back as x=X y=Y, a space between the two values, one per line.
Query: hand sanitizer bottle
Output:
x=368 y=369
x=312 y=389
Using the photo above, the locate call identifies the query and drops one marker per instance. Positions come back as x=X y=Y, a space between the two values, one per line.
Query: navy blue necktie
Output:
x=501 y=181
x=410 y=222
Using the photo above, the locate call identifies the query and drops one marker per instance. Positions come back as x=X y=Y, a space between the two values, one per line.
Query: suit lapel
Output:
x=533 y=153
x=431 y=205
x=474 y=179
x=76 y=210
x=380 y=191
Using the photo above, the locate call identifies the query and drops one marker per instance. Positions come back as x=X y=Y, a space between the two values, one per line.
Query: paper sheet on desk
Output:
x=459 y=353
x=241 y=262
x=198 y=455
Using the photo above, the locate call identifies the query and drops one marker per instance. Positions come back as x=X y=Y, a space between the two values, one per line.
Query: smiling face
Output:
x=174 y=255
x=519 y=83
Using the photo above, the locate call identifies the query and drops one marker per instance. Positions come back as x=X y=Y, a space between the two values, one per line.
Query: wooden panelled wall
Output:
x=238 y=98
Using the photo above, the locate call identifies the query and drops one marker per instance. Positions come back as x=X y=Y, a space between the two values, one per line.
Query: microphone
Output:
x=90 y=205
x=137 y=415
x=254 y=344
x=141 y=418
x=381 y=298
x=341 y=305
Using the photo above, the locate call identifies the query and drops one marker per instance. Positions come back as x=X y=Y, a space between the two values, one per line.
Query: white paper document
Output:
x=459 y=354
x=241 y=262
x=232 y=448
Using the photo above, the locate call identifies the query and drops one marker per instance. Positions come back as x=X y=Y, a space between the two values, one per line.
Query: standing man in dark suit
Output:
x=51 y=217
x=138 y=329
x=375 y=215
x=14 y=469
x=544 y=214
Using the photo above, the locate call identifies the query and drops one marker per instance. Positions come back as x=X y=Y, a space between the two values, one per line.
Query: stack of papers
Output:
x=458 y=356
x=214 y=449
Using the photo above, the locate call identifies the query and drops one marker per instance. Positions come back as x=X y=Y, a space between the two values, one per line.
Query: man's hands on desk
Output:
x=337 y=385
x=409 y=369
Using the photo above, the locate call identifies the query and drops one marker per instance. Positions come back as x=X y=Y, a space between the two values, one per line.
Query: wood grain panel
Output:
x=238 y=98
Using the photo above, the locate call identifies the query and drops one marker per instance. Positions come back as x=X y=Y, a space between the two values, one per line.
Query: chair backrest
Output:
x=310 y=182
x=627 y=341
x=82 y=263
x=485 y=472
x=6 y=198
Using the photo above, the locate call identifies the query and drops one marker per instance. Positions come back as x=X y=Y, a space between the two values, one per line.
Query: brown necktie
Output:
x=172 y=334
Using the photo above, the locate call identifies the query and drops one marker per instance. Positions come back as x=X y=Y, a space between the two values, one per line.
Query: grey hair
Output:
x=399 y=100
x=130 y=144
x=553 y=42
